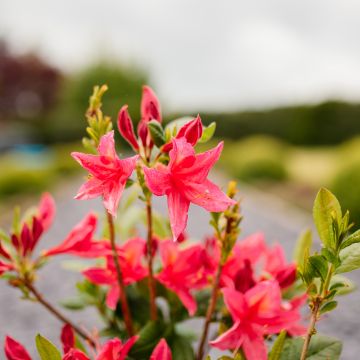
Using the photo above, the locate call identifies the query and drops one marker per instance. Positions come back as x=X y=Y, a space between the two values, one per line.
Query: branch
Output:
x=123 y=299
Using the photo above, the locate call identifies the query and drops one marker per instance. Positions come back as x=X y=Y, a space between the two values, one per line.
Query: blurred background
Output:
x=280 y=78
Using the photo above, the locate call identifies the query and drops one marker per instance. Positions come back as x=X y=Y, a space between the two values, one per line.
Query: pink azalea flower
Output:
x=255 y=314
x=30 y=233
x=116 y=350
x=184 y=181
x=161 y=351
x=113 y=349
x=80 y=241
x=183 y=270
x=108 y=173
x=130 y=254
x=277 y=267
x=14 y=350
x=191 y=131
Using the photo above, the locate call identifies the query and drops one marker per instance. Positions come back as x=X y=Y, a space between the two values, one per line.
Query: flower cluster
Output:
x=148 y=284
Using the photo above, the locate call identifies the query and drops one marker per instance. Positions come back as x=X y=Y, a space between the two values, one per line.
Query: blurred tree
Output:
x=29 y=87
x=125 y=87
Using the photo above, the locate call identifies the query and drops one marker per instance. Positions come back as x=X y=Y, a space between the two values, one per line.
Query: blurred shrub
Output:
x=346 y=186
x=125 y=86
x=327 y=123
x=256 y=158
x=20 y=181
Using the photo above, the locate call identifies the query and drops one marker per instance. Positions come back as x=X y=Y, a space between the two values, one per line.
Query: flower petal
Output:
x=90 y=189
x=203 y=164
x=112 y=297
x=150 y=105
x=207 y=195
x=235 y=303
x=46 y=211
x=14 y=350
x=178 y=212
x=231 y=339
x=107 y=145
x=254 y=347
x=111 y=196
x=161 y=351
x=157 y=179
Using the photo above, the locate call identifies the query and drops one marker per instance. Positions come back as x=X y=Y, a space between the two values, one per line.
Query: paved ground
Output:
x=277 y=219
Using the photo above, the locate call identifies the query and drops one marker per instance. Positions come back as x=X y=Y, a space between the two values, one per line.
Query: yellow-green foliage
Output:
x=256 y=158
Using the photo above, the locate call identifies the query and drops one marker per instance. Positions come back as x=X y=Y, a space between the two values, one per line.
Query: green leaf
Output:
x=320 y=265
x=157 y=133
x=73 y=304
x=352 y=239
x=181 y=348
x=349 y=259
x=208 y=132
x=326 y=212
x=342 y=284
x=276 y=350
x=331 y=305
x=321 y=348
x=303 y=242
x=330 y=256
x=149 y=336
x=46 y=349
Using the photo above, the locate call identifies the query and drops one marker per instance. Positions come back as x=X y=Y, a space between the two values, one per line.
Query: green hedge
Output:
x=255 y=158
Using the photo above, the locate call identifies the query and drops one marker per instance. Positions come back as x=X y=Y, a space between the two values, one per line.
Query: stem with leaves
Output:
x=39 y=297
x=123 y=300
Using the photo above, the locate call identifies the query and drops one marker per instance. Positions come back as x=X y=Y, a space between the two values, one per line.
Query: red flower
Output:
x=161 y=351
x=80 y=241
x=130 y=254
x=183 y=270
x=256 y=313
x=14 y=350
x=191 y=131
x=108 y=173
x=116 y=350
x=184 y=180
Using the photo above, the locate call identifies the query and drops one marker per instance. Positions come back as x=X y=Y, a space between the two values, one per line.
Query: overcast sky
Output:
x=204 y=53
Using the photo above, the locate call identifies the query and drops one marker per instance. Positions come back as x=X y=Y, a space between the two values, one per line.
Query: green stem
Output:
x=150 y=259
x=123 y=300
x=317 y=302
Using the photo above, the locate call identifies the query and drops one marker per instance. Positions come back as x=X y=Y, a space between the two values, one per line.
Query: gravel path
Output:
x=277 y=219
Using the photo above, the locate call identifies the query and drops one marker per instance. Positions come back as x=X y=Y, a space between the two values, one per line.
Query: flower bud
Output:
x=126 y=128
x=191 y=131
x=150 y=105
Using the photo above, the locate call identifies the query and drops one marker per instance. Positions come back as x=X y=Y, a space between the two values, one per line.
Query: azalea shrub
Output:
x=147 y=277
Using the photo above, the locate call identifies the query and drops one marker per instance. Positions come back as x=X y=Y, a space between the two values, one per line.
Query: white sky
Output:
x=204 y=54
